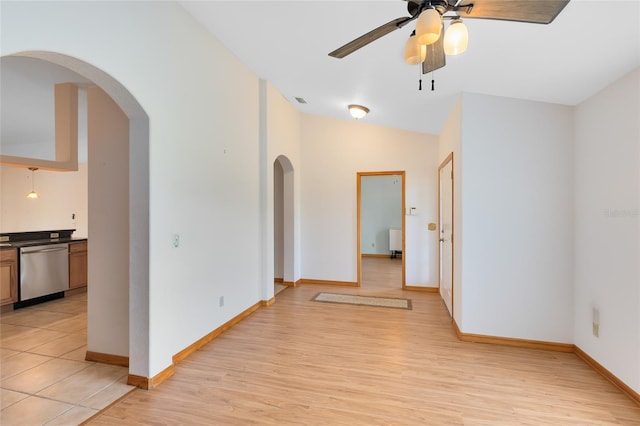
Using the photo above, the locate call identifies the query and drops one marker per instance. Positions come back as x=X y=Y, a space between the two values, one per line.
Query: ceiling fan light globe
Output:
x=456 y=38
x=414 y=52
x=429 y=26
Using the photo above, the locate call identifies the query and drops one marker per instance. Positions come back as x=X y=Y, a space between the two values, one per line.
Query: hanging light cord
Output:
x=33 y=194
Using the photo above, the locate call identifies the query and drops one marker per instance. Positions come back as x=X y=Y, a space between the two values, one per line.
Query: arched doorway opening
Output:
x=283 y=224
x=118 y=324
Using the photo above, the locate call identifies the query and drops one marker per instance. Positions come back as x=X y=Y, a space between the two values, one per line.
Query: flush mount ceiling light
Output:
x=33 y=194
x=358 y=111
x=430 y=15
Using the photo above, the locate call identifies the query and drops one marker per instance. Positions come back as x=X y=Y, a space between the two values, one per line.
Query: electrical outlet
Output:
x=595 y=322
x=176 y=240
x=596 y=330
x=221 y=301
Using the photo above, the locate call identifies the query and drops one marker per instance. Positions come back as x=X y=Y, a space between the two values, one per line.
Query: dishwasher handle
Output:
x=45 y=250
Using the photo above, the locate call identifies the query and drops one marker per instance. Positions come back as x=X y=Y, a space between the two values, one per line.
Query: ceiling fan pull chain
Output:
x=420 y=80
x=433 y=83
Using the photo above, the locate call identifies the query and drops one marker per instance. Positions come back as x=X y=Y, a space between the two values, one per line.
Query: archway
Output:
x=127 y=340
x=283 y=223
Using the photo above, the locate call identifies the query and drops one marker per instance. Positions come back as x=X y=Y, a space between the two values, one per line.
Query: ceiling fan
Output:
x=428 y=45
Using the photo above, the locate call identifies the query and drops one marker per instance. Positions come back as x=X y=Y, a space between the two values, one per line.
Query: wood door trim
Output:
x=445 y=162
x=359 y=175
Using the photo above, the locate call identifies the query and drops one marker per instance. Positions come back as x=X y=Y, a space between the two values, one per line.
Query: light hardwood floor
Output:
x=310 y=363
x=381 y=272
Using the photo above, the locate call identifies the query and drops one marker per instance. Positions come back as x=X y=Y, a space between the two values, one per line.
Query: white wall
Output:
x=517 y=212
x=607 y=227
x=333 y=152
x=381 y=209
x=202 y=105
x=108 y=298
x=61 y=195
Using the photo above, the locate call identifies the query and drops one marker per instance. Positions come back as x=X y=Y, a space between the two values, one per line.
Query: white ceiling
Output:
x=27 y=105
x=588 y=46
x=287 y=43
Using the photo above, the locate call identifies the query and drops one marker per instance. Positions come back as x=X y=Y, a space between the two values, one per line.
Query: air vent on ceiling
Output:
x=301 y=100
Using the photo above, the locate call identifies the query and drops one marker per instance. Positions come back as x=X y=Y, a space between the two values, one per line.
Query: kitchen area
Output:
x=43 y=183
x=43 y=333
x=45 y=377
x=46 y=373
x=39 y=266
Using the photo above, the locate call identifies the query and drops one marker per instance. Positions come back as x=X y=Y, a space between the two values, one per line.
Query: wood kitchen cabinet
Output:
x=8 y=276
x=78 y=264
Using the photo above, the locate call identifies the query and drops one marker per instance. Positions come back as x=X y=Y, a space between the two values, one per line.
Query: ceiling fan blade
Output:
x=435 y=55
x=532 y=11
x=372 y=35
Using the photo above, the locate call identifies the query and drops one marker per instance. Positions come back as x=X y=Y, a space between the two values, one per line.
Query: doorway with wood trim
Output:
x=380 y=220
x=445 y=228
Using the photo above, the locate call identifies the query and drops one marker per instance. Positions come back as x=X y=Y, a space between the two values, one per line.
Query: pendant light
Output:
x=456 y=38
x=33 y=194
x=429 y=26
x=414 y=52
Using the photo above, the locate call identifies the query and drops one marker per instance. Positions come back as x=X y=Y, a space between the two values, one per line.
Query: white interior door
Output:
x=446 y=233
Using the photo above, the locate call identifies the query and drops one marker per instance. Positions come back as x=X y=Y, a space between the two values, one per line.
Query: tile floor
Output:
x=44 y=378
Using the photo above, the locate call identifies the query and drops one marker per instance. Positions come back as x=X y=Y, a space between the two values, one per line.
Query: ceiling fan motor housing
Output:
x=415 y=7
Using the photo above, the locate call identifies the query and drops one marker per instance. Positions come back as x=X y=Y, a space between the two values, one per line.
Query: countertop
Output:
x=31 y=243
x=16 y=240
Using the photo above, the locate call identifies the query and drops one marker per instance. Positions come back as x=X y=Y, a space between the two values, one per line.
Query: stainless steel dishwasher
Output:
x=44 y=270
